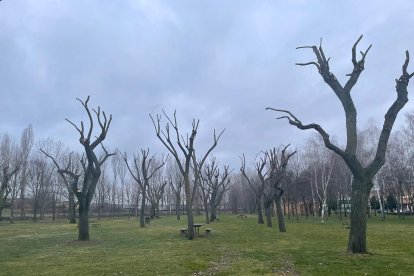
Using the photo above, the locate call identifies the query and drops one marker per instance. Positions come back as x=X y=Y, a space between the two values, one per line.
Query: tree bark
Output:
x=72 y=207
x=279 y=212
x=178 y=207
x=83 y=221
x=358 y=218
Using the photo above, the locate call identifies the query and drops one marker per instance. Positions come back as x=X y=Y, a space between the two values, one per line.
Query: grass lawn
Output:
x=236 y=247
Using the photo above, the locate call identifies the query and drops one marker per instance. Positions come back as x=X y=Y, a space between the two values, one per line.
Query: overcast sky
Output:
x=222 y=62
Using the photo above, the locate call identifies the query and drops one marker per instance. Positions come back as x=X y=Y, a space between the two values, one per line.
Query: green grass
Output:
x=236 y=247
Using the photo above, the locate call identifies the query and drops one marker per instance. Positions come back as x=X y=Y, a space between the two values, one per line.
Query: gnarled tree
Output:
x=91 y=166
x=362 y=175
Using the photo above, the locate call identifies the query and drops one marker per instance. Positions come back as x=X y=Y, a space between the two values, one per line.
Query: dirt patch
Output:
x=225 y=261
x=286 y=269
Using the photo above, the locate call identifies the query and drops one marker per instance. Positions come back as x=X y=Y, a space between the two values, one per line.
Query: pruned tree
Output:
x=186 y=147
x=91 y=165
x=362 y=175
x=142 y=171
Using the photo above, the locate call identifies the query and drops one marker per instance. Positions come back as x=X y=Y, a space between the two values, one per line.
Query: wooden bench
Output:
x=208 y=232
x=147 y=220
x=183 y=232
x=242 y=216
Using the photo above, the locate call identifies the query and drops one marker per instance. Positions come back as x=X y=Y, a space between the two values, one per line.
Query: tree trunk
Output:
x=323 y=211
x=358 y=217
x=279 y=212
x=206 y=212
x=212 y=212
x=268 y=213
x=177 y=208
x=83 y=221
x=306 y=207
x=142 y=211
x=190 y=216
x=259 y=211
x=72 y=208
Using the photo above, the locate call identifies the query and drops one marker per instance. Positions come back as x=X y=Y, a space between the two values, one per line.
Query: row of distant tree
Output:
x=316 y=182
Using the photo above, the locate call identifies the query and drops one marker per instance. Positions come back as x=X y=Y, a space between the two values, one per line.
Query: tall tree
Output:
x=91 y=165
x=187 y=149
x=26 y=144
x=362 y=175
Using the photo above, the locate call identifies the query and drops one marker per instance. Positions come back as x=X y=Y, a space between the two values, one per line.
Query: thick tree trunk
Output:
x=83 y=221
x=358 y=218
x=279 y=212
x=212 y=212
x=72 y=211
x=190 y=216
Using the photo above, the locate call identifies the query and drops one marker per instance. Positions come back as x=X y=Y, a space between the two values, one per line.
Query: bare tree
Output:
x=322 y=165
x=215 y=184
x=276 y=174
x=26 y=144
x=176 y=182
x=156 y=190
x=63 y=156
x=40 y=174
x=257 y=186
x=186 y=147
x=363 y=175
x=8 y=168
x=91 y=166
x=142 y=171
